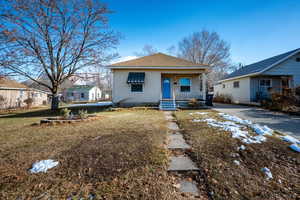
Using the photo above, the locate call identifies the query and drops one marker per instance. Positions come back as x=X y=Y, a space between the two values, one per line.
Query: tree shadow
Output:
x=51 y=113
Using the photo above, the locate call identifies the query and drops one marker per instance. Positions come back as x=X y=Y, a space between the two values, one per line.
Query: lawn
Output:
x=120 y=155
x=214 y=151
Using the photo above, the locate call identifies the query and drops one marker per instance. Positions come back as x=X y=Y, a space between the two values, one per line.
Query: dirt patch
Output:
x=119 y=156
x=215 y=151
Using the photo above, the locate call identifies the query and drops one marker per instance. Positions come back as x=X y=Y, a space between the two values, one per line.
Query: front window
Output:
x=185 y=84
x=82 y=95
x=136 y=87
x=266 y=83
x=236 y=84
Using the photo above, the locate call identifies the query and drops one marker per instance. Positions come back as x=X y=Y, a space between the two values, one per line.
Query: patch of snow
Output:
x=290 y=139
x=43 y=166
x=235 y=130
x=261 y=130
x=242 y=147
x=235 y=119
x=100 y=104
x=295 y=147
x=199 y=113
x=267 y=172
x=236 y=162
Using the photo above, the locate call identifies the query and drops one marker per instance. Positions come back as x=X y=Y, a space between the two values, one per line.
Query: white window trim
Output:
x=265 y=79
x=185 y=85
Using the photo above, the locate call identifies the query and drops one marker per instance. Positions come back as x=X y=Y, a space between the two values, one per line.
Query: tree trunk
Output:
x=55 y=101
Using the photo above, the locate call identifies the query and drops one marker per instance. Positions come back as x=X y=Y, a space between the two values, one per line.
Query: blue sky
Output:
x=255 y=29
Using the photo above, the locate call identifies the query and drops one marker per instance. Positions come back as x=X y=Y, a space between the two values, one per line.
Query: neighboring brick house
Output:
x=13 y=94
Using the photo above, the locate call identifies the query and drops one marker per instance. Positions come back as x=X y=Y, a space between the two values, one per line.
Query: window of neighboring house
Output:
x=21 y=93
x=82 y=95
x=185 y=84
x=72 y=94
x=265 y=83
x=224 y=86
x=236 y=84
x=136 y=87
x=297 y=59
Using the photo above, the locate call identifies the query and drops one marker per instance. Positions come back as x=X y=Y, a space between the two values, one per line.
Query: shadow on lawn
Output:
x=51 y=113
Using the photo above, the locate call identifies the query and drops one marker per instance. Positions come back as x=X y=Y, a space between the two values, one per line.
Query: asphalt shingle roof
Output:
x=158 y=60
x=8 y=83
x=261 y=65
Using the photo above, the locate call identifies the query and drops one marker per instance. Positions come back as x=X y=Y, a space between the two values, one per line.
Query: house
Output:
x=82 y=93
x=13 y=94
x=157 y=79
x=255 y=82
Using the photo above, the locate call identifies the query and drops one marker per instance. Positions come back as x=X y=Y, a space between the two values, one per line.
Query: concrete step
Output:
x=181 y=163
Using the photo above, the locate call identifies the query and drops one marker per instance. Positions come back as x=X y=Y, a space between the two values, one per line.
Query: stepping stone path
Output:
x=180 y=163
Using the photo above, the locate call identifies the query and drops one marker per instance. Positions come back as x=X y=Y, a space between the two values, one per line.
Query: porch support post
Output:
x=204 y=86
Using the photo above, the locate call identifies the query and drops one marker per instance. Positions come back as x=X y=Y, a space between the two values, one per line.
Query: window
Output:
x=265 y=83
x=185 y=84
x=223 y=85
x=82 y=95
x=136 y=87
x=297 y=59
x=236 y=84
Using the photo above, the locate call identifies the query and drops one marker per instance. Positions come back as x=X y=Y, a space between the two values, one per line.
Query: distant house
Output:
x=256 y=81
x=82 y=93
x=13 y=94
x=158 y=79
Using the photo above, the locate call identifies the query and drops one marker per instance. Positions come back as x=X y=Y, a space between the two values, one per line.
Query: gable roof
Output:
x=157 y=60
x=81 y=87
x=261 y=66
x=11 y=84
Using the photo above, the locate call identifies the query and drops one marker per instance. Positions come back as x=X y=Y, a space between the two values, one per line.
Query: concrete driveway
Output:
x=284 y=123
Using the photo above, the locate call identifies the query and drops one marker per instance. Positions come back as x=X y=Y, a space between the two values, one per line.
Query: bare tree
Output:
x=146 y=51
x=54 y=38
x=206 y=48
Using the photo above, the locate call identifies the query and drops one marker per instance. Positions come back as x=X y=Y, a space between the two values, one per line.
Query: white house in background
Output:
x=157 y=79
x=82 y=93
x=254 y=82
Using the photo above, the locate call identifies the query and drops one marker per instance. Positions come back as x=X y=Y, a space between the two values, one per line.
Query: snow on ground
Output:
x=199 y=113
x=100 y=104
x=260 y=130
x=295 y=147
x=267 y=172
x=241 y=148
x=235 y=129
x=43 y=166
x=290 y=139
x=236 y=162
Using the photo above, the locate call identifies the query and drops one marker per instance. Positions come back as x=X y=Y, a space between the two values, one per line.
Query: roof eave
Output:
x=158 y=67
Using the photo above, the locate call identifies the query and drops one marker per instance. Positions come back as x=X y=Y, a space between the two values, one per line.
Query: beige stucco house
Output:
x=13 y=94
x=158 y=79
x=255 y=82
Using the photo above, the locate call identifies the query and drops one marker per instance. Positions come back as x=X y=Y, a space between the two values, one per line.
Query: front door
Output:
x=166 y=88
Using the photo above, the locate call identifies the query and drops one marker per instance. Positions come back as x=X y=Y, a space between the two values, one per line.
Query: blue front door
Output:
x=166 y=88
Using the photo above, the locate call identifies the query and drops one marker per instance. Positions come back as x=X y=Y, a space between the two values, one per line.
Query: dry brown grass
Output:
x=212 y=149
x=120 y=156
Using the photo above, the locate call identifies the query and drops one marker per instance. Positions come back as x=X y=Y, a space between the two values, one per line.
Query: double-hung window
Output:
x=185 y=84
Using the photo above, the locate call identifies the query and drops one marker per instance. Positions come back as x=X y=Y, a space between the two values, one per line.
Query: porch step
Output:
x=167 y=105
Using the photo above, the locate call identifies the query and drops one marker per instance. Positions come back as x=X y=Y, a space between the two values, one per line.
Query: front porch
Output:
x=262 y=87
x=178 y=89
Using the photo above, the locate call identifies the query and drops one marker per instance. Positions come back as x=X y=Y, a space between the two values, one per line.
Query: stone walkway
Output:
x=180 y=164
